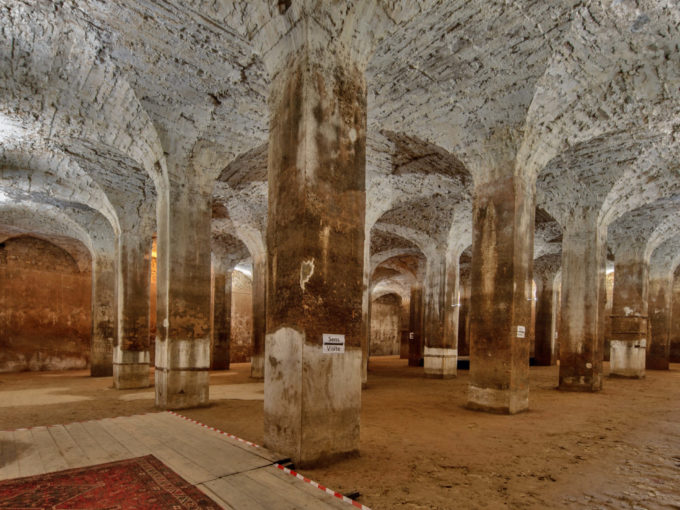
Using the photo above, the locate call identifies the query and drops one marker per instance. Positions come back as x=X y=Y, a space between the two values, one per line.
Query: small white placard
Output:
x=411 y=335
x=333 y=344
x=520 y=331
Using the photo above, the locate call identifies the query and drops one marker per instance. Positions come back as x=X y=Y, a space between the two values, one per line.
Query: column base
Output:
x=182 y=388
x=543 y=362
x=130 y=369
x=257 y=367
x=222 y=365
x=220 y=359
x=496 y=401
x=130 y=376
x=440 y=363
x=587 y=384
x=101 y=370
x=657 y=364
x=627 y=358
x=312 y=400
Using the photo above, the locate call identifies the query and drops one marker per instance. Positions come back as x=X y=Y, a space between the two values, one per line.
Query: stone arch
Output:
x=46 y=306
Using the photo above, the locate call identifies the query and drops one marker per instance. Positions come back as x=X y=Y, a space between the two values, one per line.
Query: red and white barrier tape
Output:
x=321 y=487
x=232 y=436
x=284 y=469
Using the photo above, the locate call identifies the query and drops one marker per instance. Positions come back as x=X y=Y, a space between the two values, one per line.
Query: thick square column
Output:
x=464 y=315
x=259 y=317
x=131 y=348
x=675 y=320
x=581 y=331
x=183 y=310
x=315 y=244
x=366 y=309
x=415 y=325
x=221 y=319
x=660 y=296
x=441 y=319
x=546 y=295
x=547 y=301
x=103 y=317
x=502 y=256
x=629 y=318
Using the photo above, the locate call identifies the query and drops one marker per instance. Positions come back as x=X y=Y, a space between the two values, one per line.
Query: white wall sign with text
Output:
x=333 y=344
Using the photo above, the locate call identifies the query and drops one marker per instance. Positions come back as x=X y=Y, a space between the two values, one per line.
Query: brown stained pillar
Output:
x=221 y=319
x=660 y=306
x=183 y=310
x=628 y=339
x=545 y=352
x=103 y=317
x=415 y=324
x=500 y=311
x=366 y=303
x=131 y=348
x=531 y=330
x=675 y=320
x=315 y=245
x=405 y=315
x=441 y=319
x=545 y=323
x=582 y=307
x=259 y=317
x=464 y=316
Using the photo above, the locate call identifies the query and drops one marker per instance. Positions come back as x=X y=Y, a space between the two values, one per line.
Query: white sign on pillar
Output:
x=520 y=331
x=333 y=344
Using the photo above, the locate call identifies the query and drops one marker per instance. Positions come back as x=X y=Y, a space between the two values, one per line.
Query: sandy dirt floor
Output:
x=421 y=449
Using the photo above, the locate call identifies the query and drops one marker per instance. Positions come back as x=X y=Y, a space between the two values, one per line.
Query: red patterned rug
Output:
x=142 y=483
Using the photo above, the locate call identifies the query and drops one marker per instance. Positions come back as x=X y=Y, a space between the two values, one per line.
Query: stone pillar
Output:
x=464 y=315
x=131 y=349
x=628 y=339
x=675 y=321
x=221 y=319
x=366 y=309
x=502 y=256
x=441 y=319
x=545 y=352
x=660 y=306
x=404 y=319
x=315 y=245
x=259 y=317
x=103 y=317
x=545 y=323
x=183 y=310
x=582 y=306
x=415 y=324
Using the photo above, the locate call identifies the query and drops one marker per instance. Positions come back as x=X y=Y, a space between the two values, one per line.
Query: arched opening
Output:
x=387 y=320
x=45 y=307
x=241 y=314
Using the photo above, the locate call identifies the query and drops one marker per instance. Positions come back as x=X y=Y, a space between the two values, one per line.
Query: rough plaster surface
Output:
x=45 y=307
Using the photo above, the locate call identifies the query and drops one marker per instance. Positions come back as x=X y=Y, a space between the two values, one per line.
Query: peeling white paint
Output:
x=306 y=272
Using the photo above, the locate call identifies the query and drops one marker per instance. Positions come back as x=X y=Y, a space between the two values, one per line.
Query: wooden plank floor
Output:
x=234 y=474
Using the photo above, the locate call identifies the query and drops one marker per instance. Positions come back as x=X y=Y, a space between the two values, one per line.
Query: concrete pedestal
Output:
x=627 y=358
